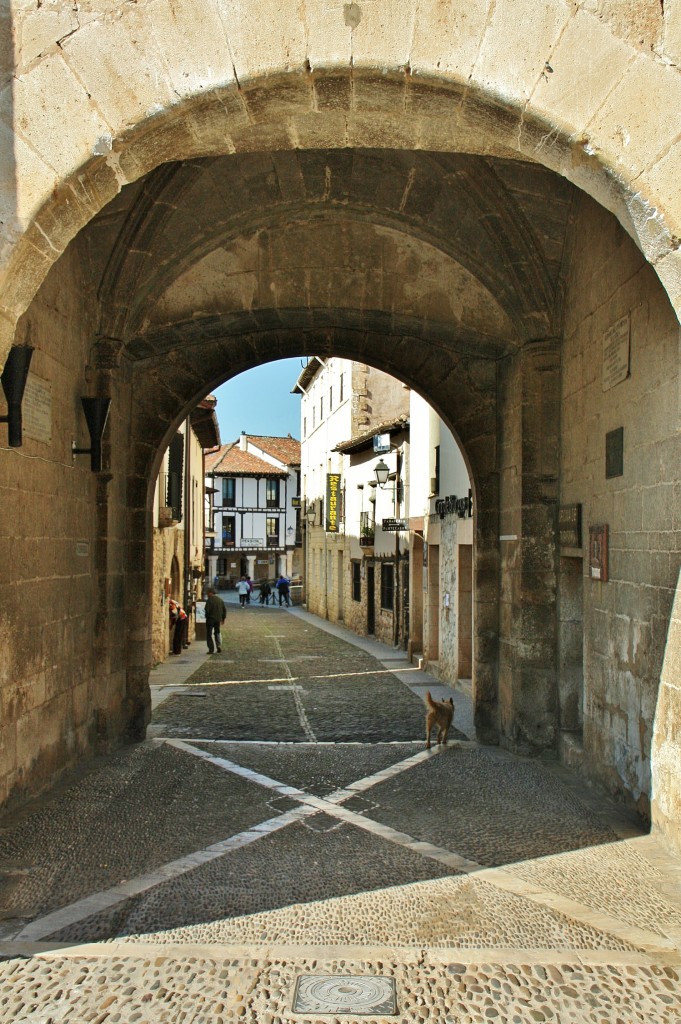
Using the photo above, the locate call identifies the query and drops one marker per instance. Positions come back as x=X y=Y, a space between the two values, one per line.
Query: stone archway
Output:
x=447 y=85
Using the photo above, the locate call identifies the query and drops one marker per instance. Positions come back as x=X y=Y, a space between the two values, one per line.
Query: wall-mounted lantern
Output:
x=382 y=473
x=96 y=412
x=13 y=379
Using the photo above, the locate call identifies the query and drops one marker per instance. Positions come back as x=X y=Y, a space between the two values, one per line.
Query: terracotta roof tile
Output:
x=287 y=449
x=231 y=461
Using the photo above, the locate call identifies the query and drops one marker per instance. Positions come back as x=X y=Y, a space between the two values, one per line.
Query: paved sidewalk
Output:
x=283 y=838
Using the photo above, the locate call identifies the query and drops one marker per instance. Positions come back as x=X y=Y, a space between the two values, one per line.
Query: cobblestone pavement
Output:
x=283 y=848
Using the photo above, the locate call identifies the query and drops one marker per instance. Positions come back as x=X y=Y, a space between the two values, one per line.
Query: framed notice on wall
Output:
x=616 y=348
x=598 y=552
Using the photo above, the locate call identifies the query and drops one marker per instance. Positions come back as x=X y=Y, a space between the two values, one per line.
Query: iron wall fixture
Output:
x=13 y=379
x=96 y=412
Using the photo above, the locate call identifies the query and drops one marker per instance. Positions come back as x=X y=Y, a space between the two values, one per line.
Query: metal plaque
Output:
x=328 y=993
x=614 y=453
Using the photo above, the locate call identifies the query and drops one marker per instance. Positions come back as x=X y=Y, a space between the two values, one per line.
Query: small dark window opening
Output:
x=387 y=585
x=356 y=582
x=175 y=464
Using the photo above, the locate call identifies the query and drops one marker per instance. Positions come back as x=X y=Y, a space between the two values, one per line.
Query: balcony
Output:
x=366 y=538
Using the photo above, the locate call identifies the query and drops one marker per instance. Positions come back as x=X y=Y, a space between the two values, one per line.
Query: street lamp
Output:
x=382 y=473
x=311 y=515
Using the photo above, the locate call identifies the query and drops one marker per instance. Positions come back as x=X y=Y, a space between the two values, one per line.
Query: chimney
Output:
x=243 y=441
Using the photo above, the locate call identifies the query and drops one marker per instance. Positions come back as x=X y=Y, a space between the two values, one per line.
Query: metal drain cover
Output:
x=344 y=993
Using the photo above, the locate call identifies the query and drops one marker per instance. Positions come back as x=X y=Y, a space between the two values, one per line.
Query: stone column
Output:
x=529 y=462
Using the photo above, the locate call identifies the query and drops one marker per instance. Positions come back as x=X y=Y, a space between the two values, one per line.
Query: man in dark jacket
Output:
x=282 y=586
x=216 y=612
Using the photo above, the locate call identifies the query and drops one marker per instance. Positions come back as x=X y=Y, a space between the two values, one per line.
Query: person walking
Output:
x=282 y=586
x=265 y=591
x=243 y=589
x=250 y=589
x=216 y=612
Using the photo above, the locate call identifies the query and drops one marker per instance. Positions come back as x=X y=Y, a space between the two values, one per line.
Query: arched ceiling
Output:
x=464 y=250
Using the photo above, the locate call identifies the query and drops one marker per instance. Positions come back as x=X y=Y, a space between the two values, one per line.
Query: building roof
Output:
x=205 y=422
x=307 y=375
x=365 y=440
x=286 y=449
x=230 y=460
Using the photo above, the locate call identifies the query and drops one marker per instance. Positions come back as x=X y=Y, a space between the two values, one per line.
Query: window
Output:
x=229 y=491
x=321 y=408
x=341 y=388
x=331 y=398
x=356 y=582
x=436 y=488
x=228 y=531
x=387 y=585
x=304 y=426
x=272 y=493
x=366 y=529
x=272 y=529
x=221 y=568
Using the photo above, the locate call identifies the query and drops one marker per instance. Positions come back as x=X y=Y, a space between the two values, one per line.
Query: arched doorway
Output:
x=473 y=278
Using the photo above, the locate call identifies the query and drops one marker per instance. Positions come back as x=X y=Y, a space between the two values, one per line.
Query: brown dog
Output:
x=440 y=713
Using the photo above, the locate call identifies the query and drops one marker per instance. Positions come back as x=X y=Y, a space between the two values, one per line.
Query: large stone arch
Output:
x=98 y=101
x=467 y=79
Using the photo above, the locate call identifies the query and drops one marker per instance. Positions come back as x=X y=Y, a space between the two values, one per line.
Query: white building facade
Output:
x=441 y=534
x=387 y=515
x=253 y=510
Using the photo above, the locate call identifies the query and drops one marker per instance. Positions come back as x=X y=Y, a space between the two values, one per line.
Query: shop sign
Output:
x=461 y=507
x=333 y=483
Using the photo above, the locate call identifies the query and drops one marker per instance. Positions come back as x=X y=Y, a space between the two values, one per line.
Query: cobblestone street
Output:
x=283 y=821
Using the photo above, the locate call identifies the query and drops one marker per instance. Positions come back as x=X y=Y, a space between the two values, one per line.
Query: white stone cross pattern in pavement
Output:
x=332 y=804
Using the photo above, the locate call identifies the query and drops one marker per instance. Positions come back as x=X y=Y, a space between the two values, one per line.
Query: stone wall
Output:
x=666 y=806
x=62 y=555
x=625 y=619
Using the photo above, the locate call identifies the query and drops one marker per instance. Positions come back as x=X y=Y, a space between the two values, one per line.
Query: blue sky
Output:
x=259 y=401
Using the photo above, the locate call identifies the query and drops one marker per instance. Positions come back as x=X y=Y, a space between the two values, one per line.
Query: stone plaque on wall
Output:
x=616 y=353
x=36 y=409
